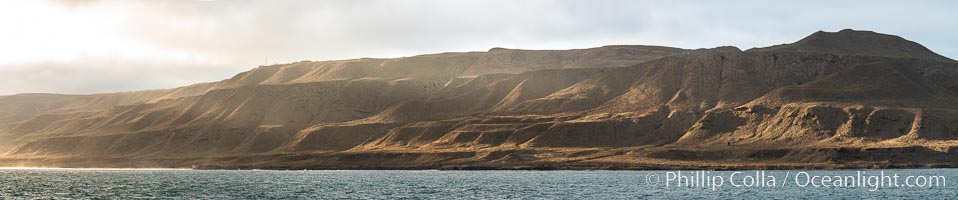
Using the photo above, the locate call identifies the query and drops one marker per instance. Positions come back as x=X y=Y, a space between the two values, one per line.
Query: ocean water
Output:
x=358 y=184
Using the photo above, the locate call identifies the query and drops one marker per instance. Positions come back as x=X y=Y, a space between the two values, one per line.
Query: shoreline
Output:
x=516 y=168
x=571 y=159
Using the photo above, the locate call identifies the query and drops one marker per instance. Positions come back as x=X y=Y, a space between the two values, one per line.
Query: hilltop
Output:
x=830 y=100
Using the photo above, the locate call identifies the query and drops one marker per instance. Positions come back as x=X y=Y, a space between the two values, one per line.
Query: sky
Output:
x=101 y=46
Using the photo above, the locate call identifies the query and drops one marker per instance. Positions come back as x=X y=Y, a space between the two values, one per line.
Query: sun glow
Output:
x=50 y=32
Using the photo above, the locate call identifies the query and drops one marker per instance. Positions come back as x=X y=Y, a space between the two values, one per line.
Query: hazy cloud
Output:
x=106 y=46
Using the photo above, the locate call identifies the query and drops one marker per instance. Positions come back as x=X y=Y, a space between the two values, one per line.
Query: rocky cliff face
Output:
x=845 y=99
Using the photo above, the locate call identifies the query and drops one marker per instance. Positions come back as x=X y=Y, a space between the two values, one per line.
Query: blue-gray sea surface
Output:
x=348 y=184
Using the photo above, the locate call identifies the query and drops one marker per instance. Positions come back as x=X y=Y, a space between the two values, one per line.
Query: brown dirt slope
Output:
x=830 y=100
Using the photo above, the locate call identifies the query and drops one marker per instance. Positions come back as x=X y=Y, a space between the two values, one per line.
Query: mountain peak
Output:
x=494 y=49
x=858 y=42
x=850 y=34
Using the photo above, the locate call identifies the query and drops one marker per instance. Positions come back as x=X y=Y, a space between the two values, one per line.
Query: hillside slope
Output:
x=844 y=99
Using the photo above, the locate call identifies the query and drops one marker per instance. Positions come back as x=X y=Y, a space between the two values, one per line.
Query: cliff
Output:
x=830 y=100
